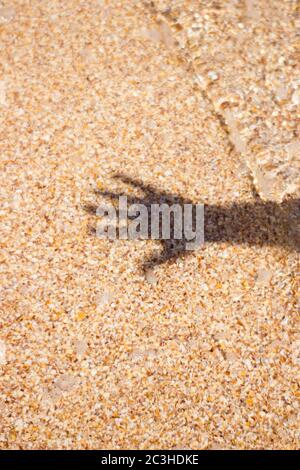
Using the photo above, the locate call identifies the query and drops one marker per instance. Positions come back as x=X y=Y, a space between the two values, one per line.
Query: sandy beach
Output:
x=126 y=344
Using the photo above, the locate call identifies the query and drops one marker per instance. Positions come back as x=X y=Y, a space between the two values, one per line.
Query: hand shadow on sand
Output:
x=249 y=223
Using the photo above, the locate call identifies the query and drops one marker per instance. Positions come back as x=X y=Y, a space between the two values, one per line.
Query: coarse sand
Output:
x=192 y=352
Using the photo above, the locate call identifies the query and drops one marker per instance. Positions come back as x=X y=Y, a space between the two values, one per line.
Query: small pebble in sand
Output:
x=150 y=276
x=213 y=75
